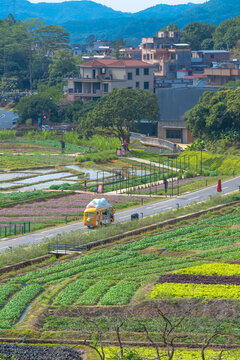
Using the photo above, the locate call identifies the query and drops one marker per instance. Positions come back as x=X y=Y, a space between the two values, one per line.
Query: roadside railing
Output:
x=11 y=229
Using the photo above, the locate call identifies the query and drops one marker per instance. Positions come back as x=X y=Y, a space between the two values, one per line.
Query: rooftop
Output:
x=212 y=51
x=115 y=63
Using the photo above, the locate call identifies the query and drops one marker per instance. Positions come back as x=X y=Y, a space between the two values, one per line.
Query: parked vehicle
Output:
x=98 y=212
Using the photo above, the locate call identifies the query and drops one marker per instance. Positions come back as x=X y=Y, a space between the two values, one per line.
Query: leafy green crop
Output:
x=5 y=292
x=91 y=296
x=119 y=294
x=72 y=292
x=15 y=307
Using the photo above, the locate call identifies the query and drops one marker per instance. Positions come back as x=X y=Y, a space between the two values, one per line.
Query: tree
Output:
x=117 y=45
x=195 y=33
x=117 y=113
x=90 y=40
x=171 y=27
x=227 y=34
x=35 y=106
x=207 y=44
x=64 y=64
x=215 y=113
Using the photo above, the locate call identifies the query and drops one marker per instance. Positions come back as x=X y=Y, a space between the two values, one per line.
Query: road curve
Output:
x=198 y=196
x=7 y=119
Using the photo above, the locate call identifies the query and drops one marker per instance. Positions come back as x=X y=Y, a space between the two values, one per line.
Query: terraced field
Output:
x=188 y=262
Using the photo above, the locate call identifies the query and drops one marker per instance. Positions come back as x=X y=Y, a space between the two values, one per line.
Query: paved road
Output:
x=8 y=119
x=123 y=216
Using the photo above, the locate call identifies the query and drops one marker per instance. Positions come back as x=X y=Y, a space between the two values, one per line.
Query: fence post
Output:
x=24 y=227
x=29 y=226
x=5 y=231
x=15 y=229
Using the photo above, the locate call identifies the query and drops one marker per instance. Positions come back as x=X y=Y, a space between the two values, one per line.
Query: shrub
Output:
x=189 y=174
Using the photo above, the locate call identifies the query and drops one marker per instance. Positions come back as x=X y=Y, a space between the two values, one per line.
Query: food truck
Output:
x=98 y=212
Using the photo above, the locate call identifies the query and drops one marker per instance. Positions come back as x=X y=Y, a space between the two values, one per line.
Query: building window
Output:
x=174 y=134
x=173 y=56
x=105 y=88
x=148 y=57
x=129 y=87
x=144 y=57
x=146 y=71
x=129 y=76
x=212 y=56
x=137 y=71
x=146 y=85
x=102 y=71
x=137 y=84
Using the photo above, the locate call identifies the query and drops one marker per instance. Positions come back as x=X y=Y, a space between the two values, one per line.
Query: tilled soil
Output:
x=26 y=352
x=199 y=279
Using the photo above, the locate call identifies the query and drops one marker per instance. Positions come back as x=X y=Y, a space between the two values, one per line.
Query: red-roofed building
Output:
x=99 y=77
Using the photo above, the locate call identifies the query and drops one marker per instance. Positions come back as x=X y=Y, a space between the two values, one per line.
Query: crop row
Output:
x=227 y=219
x=72 y=292
x=93 y=294
x=127 y=258
x=219 y=269
x=5 y=292
x=136 y=324
x=15 y=307
x=64 y=265
x=173 y=290
x=119 y=294
x=203 y=243
x=227 y=254
x=179 y=354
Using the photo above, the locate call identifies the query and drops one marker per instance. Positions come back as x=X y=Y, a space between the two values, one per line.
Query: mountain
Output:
x=82 y=18
x=212 y=12
x=59 y=13
x=163 y=11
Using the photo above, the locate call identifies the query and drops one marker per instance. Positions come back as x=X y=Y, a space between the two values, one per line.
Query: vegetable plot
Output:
x=120 y=294
x=5 y=292
x=15 y=307
x=173 y=290
x=91 y=296
x=219 y=269
x=72 y=292
x=180 y=354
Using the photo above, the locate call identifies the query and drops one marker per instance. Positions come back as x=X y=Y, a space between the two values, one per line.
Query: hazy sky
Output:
x=133 y=5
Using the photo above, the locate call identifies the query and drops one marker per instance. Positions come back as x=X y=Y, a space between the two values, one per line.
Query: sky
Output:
x=131 y=5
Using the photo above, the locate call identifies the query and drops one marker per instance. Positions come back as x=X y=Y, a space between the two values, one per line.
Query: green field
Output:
x=128 y=273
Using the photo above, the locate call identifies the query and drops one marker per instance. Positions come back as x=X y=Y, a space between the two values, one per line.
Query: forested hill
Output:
x=82 y=18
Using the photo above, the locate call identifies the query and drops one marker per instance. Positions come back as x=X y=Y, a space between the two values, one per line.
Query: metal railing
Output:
x=11 y=229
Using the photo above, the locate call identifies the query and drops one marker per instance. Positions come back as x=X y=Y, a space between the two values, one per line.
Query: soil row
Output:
x=26 y=352
x=199 y=279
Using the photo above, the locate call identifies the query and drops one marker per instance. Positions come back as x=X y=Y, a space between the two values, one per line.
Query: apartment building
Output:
x=166 y=53
x=99 y=77
x=205 y=58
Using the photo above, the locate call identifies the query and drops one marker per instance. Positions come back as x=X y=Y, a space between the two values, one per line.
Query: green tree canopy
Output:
x=64 y=64
x=171 y=27
x=25 y=49
x=215 y=113
x=117 y=113
x=227 y=34
x=35 y=106
x=195 y=33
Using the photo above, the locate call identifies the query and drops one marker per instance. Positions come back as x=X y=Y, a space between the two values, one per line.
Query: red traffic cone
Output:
x=219 y=186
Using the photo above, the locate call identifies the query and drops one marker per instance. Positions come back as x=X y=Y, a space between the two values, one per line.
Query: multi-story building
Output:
x=205 y=58
x=99 y=77
x=166 y=53
x=131 y=53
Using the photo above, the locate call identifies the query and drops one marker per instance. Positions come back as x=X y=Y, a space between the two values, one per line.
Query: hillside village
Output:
x=119 y=182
